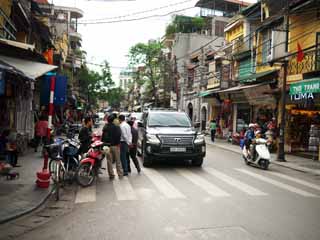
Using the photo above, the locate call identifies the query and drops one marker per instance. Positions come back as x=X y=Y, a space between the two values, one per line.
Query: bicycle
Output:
x=56 y=167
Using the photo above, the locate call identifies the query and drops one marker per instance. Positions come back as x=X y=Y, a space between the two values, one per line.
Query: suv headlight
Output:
x=199 y=139
x=152 y=139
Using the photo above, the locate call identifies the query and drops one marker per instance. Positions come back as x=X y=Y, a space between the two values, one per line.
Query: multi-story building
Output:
x=63 y=24
x=302 y=105
x=23 y=39
x=198 y=66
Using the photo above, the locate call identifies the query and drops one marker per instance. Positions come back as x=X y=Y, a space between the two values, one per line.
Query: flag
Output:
x=48 y=55
x=300 y=54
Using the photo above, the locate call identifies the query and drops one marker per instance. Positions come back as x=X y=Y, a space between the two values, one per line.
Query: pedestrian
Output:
x=11 y=148
x=213 y=129
x=41 y=131
x=85 y=135
x=111 y=135
x=125 y=142
x=133 y=148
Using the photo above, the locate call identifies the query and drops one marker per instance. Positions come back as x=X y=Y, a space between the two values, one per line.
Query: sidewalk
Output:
x=21 y=196
x=293 y=162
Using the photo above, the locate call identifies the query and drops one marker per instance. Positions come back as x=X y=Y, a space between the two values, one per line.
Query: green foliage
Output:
x=185 y=24
x=95 y=84
x=114 y=96
x=150 y=56
x=171 y=29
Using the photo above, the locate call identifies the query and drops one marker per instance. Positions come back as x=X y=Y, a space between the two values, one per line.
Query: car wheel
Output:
x=197 y=162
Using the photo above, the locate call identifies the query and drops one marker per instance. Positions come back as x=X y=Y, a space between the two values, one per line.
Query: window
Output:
x=219 y=28
x=173 y=119
x=266 y=46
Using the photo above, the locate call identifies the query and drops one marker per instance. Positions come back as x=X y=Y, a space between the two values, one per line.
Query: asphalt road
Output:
x=225 y=199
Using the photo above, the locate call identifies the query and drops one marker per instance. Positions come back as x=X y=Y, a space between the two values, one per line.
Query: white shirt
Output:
x=126 y=135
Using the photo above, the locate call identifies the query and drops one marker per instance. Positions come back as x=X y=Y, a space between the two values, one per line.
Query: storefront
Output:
x=303 y=118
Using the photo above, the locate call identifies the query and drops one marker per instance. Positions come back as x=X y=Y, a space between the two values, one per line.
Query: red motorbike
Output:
x=89 y=166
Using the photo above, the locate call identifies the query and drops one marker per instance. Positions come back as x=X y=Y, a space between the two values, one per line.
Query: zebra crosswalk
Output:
x=207 y=182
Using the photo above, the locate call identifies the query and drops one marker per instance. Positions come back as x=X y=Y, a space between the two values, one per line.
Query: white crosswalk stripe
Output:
x=235 y=183
x=302 y=182
x=163 y=185
x=123 y=189
x=203 y=183
x=277 y=183
x=87 y=194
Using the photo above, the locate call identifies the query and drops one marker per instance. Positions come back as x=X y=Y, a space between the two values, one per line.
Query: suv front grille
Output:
x=176 y=140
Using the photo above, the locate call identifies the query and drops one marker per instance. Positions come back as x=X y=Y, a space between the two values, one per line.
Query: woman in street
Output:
x=41 y=130
x=213 y=129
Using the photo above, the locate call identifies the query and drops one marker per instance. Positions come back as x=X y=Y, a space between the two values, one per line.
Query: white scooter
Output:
x=258 y=154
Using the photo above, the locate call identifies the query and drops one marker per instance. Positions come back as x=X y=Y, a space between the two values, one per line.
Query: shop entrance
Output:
x=203 y=118
x=243 y=117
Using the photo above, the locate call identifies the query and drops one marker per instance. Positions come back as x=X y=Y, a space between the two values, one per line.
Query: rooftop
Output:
x=222 y=5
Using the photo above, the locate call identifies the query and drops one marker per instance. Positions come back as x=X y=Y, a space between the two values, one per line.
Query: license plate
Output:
x=178 y=149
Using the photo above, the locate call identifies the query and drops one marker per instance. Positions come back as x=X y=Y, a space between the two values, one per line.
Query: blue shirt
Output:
x=249 y=134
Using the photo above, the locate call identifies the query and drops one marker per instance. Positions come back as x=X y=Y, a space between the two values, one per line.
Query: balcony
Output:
x=241 y=45
x=7 y=28
x=214 y=80
x=310 y=63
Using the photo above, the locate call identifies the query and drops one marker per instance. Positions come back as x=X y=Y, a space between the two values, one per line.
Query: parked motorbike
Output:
x=258 y=154
x=89 y=167
x=68 y=150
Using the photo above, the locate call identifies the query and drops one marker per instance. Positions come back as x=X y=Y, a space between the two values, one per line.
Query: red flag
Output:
x=300 y=54
x=49 y=56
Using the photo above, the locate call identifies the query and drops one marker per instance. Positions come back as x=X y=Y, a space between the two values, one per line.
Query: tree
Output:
x=95 y=84
x=148 y=55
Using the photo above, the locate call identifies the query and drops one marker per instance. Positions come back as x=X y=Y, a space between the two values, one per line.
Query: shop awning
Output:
x=147 y=104
x=136 y=108
x=255 y=76
x=241 y=87
x=306 y=86
x=208 y=92
x=30 y=69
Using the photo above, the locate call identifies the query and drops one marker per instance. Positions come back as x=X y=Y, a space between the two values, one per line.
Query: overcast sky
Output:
x=112 y=41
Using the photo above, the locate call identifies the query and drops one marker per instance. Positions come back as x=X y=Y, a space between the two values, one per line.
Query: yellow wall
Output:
x=306 y=24
x=62 y=46
x=303 y=29
x=6 y=8
x=261 y=68
x=235 y=32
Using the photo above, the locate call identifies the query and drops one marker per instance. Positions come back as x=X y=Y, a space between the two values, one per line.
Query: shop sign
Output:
x=305 y=87
x=302 y=96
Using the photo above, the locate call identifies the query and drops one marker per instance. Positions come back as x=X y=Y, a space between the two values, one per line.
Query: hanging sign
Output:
x=311 y=86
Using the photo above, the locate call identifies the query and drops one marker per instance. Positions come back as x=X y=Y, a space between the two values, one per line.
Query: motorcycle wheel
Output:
x=85 y=177
x=246 y=161
x=264 y=164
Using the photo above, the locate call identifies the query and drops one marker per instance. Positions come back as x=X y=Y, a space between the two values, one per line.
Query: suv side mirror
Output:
x=196 y=125
x=140 y=124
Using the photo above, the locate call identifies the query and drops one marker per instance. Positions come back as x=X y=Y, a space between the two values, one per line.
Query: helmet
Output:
x=251 y=125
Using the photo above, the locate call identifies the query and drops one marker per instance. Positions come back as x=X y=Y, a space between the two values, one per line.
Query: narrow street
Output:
x=225 y=199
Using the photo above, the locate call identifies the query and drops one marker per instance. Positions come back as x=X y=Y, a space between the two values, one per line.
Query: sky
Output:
x=112 y=41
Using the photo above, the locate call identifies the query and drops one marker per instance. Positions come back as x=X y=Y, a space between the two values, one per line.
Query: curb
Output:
x=27 y=211
x=296 y=168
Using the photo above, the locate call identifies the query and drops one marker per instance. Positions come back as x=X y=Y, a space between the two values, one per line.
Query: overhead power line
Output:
x=137 y=19
x=137 y=13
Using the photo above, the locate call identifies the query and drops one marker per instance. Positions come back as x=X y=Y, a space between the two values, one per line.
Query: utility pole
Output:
x=201 y=82
x=281 y=152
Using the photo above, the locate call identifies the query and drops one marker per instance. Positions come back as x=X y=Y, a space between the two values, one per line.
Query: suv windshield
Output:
x=172 y=119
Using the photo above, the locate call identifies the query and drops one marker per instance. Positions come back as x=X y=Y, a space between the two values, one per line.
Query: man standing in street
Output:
x=111 y=135
x=133 y=148
x=85 y=135
x=125 y=142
